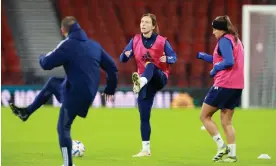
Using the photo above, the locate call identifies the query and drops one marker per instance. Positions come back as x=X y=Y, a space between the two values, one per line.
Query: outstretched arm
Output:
x=205 y=57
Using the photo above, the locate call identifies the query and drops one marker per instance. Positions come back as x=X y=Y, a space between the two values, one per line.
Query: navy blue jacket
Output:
x=82 y=60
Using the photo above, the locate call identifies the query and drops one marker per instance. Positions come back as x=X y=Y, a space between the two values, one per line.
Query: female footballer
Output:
x=225 y=94
x=153 y=55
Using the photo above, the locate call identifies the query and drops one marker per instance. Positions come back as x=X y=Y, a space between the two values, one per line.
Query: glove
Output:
x=200 y=55
x=213 y=72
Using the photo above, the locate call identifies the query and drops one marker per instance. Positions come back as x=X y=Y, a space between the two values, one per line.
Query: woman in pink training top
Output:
x=153 y=55
x=225 y=94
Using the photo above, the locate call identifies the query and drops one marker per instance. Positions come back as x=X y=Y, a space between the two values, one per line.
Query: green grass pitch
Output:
x=111 y=137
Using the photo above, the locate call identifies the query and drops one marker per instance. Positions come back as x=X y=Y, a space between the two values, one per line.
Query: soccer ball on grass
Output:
x=78 y=148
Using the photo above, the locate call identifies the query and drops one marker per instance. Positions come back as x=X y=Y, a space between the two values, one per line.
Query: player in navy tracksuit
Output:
x=82 y=60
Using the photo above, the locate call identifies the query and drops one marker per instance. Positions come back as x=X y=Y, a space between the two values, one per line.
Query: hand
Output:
x=163 y=58
x=108 y=98
x=199 y=55
x=127 y=53
x=216 y=66
x=213 y=72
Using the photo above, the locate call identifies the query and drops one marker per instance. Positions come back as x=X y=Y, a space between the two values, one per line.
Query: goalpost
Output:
x=259 y=39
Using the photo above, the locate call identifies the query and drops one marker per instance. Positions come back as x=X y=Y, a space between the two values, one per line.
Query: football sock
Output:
x=66 y=147
x=64 y=126
x=146 y=146
x=143 y=81
x=232 y=152
x=217 y=138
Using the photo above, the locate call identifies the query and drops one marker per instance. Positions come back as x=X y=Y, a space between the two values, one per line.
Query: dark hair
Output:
x=154 y=21
x=67 y=22
x=224 y=23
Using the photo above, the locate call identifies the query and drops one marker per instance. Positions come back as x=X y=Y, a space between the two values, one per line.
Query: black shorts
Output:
x=223 y=98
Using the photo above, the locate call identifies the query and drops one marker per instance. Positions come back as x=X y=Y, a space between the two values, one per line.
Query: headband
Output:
x=220 y=25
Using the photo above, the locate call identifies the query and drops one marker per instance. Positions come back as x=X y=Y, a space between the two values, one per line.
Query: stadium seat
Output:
x=201 y=10
x=172 y=17
x=199 y=42
x=200 y=30
x=180 y=74
x=95 y=14
x=113 y=26
x=184 y=51
x=11 y=60
x=3 y=66
x=197 y=69
x=197 y=74
x=186 y=24
x=185 y=33
x=139 y=8
x=218 y=11
x=127 y=18
x=231 y=10
x=246 y=2
x=65 y=8
x=161 y=19
x=210 y=81
x=80 y=11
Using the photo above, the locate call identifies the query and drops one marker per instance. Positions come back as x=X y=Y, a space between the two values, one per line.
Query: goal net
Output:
x=259 y=39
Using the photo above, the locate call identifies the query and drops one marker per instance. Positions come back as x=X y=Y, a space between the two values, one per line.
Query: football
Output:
x=78 y=148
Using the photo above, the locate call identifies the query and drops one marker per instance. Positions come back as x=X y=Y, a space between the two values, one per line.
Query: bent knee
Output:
x=207 y=112
x=226 y=122
x=204 y=117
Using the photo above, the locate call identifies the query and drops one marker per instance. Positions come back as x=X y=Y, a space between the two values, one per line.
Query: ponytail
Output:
x=156 y=29
x=231 y=29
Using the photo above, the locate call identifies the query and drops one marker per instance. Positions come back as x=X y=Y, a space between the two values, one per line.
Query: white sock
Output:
x=232 y=152
x=217 y=138
x=143 y=81
x=146 y=146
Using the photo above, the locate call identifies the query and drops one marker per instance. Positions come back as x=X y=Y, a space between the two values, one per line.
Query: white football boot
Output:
x=143 y=154
x=136 y=82
x=221 y=153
